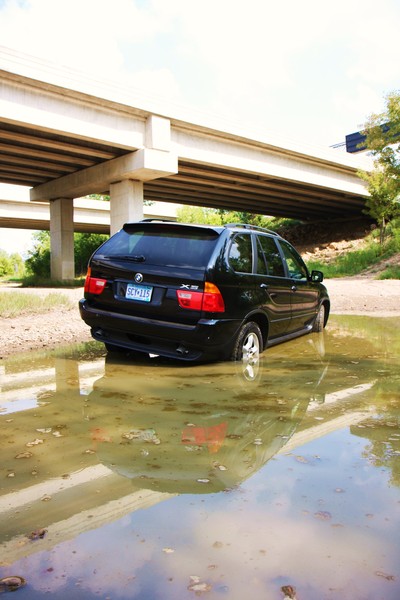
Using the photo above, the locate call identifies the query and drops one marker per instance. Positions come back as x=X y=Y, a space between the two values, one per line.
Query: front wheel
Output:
x=319 y=322
x=249 y=344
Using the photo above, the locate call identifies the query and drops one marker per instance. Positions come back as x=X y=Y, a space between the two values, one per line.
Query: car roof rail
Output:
x=252 y=227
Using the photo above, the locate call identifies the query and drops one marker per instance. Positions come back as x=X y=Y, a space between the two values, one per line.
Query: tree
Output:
x=382 y=204
x=84 y=246
x=38 y=262
x=215 y=216
x=5 y=264
x=383 y=136
x=198 y=214
x=383 y=182
x=18 y=264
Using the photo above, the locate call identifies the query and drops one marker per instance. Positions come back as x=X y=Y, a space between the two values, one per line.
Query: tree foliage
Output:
x=383 y=136
x=38 y=261
x=382 y=204
x=11 y=265
x=214 y=216
x=84 y=246
x=198 y=214
x=383 y=182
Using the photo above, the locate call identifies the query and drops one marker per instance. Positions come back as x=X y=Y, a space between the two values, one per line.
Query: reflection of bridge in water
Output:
x=91 y=495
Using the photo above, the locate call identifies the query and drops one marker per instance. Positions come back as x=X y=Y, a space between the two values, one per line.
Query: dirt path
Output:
x=362 y=295
x=59 y=327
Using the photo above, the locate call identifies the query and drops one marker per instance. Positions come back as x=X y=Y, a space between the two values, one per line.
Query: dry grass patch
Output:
x=15 y=305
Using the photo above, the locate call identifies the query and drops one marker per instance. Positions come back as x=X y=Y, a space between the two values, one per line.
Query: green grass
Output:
x=358 y=261
x=16 y=304
x=392 y=272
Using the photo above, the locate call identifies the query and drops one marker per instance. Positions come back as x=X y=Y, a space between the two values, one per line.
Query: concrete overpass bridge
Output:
x=65 y=135
x=90 y=216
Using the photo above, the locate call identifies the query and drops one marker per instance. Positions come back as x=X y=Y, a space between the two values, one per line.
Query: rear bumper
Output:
x=208 y=338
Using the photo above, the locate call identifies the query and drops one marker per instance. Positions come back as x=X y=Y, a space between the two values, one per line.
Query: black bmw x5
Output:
x=196 y=292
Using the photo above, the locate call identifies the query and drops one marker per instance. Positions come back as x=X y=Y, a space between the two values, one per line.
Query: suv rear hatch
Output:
x=150 y=270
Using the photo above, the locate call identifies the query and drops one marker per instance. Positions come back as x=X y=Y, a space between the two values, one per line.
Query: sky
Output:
x=308 y=71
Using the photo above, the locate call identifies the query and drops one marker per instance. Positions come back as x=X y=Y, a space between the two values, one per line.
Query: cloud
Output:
x=74 y=33
x=302 y=68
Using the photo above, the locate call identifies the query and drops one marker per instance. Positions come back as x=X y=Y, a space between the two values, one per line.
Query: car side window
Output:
x=269 y=259
x=240 y=253
x=296 y=267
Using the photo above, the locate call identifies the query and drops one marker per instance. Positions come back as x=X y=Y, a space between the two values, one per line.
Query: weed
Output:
x=12 y=305
x=392 y=272
x=357 y=261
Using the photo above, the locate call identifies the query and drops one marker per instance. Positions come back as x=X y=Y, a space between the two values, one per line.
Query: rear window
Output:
x=160 y=245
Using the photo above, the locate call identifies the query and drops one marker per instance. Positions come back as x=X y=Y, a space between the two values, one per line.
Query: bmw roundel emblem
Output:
x=138 y=277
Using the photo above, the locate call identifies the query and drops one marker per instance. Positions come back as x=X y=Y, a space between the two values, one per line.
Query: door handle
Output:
x=265 y=287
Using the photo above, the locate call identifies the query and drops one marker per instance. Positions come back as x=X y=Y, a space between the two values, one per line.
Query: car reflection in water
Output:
x=82 y=422
x=194 y=429
x=79 y=450
x=172 y=427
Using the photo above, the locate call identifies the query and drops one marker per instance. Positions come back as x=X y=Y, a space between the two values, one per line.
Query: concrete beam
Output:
x=143 y=165
x=90 y=216
x=287 y=166
x=68 y=113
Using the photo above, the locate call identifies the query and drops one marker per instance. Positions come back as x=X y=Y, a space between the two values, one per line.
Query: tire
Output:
x=249 y=344
x=319 y=322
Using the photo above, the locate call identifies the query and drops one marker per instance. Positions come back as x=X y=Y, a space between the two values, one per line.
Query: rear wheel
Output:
x=249 y=344
x=319 y=322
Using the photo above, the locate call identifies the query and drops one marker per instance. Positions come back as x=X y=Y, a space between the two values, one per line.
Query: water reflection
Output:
x=88 y=442
x=190 y=430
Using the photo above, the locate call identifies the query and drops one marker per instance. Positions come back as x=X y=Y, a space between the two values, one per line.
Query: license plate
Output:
x=138 y=292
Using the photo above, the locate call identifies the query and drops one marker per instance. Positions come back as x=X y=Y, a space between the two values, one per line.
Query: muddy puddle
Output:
x=149 y=479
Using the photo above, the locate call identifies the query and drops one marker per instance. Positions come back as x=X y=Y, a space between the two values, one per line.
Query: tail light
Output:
x=210 y=300
x=94 y=285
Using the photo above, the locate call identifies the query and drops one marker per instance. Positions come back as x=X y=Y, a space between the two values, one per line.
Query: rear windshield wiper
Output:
x=132 y=257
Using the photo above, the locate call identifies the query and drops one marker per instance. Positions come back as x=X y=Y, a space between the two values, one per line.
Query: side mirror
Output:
x=317 y=276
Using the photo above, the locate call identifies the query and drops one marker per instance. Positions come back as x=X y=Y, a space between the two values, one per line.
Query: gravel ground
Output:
x=49 y=330
x=60 y=327
x=362 y=295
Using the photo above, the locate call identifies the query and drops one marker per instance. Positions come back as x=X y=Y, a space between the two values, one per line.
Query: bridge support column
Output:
x=126 y=203
x=62 y=266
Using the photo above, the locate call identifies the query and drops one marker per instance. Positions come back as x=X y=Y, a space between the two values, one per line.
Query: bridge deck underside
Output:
x=221 y=188
x=30 y=157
